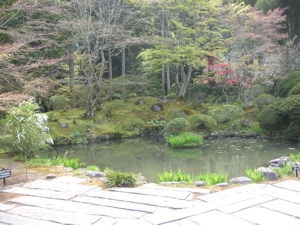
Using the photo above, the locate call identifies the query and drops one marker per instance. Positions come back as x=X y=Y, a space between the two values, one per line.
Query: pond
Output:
x=150 y=156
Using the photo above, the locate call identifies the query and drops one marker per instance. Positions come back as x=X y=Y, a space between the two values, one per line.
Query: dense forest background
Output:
x=83 y=53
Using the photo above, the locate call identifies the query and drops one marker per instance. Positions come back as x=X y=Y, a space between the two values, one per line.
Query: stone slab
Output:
x=39 y=193
x=161 y=193
x=117 y=204
x=287 y=195
x=216 y=217
x=174 y=215
x=245 y=204
x=105 y=221
x=69 y=180
x=50 y=203
x=265 y=190
x=112 y=212
x=7 y=218
x=4 y=207
x=72 y=189
x=232 y=199
x=190 y=190
x=182 y=222
x=132 y=222
x=55 y=215
x=143 y=199
x=290 y=185
x=284 y=207
x=263 y=216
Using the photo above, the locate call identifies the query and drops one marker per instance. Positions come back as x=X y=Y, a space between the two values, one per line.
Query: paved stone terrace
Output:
x=65 y=201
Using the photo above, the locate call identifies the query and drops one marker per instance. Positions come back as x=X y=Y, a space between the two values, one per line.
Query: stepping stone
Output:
x=290 y=184
x=190 y=190
x=112 y=212
x=162 y=193
x=232 y=199
x=72 y=189
x=50 y=203
x=287 y=195
x=69 y=180
x=174 y=215
x=245 y=204
x=263 y=216
x=39 y=193
x=284 y=207
x=117 y=204
x=20 y=220
x=132 y=222
x=265 y=190
x=143 y=199
x=54 y=215
x=215 y=217
x=4 y=207
x=106 y=221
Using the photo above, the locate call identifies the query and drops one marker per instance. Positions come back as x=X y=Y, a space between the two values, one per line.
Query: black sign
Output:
x=4 y=173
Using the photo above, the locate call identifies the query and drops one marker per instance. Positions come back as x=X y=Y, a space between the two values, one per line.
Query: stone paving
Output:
x=65 y=201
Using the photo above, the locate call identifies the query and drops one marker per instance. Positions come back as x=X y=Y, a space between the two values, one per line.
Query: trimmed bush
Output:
x=59 y=102
x=295 y=90
x=287 y=84
x=132 y=123
x=176 y=126
x=202 y=121
x=269 y=118
x=224 y=114
x=173 y=114
x=264 y=100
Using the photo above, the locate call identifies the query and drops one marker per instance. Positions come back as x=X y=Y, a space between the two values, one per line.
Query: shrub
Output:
x=173 y=114
x=79 y=136
x=59 y=102
x=264 y=100
x=132 y=124
x=120 y=179
x=185 y=140
x=202 y=121
x=225 y=114
x=269 y=118
x=287 y=84
x=93 y=168
x=295 y=90
x=176 y=126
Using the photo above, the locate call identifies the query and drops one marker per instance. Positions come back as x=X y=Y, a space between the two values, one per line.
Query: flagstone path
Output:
x=65 y=201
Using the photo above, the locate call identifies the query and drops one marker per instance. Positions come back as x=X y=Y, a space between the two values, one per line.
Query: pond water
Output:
x=150 y=156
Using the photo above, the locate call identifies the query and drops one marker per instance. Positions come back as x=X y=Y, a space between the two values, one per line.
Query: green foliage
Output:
x=185 y=140
x=173 y=114
x=59 y=102
x=79 y=136
x=295 y=90
x=179 y=176
x=27 y=130
x=213 y=178
x=224 y=114
x=110 y=107
x=38 y=161
x=132 y=123
x=93 y=168
x=254 y=175
x=120 y=179
x=284 y=171
x=176 y=126
x=295 y=158
x=264 y=100
x=202 y=121
x=269 y=118
x=287 y=84
x=73 y=163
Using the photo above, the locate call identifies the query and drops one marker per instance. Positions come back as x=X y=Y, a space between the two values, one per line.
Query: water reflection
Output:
x=153 y=155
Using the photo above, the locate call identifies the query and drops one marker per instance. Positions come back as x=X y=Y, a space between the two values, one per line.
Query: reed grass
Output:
x=184 y=140
x=254 y=175
x=213 y=178
x=73 y=163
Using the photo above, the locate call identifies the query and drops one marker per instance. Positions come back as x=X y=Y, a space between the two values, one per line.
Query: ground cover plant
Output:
x=184 y=140
x=254 y=175
x=213 y=178
x=73 y=162
x=121 y=179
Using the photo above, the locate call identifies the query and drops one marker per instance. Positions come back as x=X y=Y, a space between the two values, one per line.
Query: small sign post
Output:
x=4 y=173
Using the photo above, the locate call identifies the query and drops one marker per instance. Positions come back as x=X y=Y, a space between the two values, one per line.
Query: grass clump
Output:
x=121 y=179
x=254 y=175
x=295 y=158
x=213 y=178
x=93 y=168
x=184 y=140
x=179 y=176
x=285 y=170
x=73 y=163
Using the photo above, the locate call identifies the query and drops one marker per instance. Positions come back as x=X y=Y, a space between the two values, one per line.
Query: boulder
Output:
x=199 y=183
x=51 y=176
x=64 y=125
x=94 y=173
x=240 y=180
x=157 y=107
x=223 y=184
x=279 y=162
x=140 y=101
x=268 y=173
x=163 y=99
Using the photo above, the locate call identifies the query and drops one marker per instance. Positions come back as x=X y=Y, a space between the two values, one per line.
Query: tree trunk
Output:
x=163 y=78
x=71 y=76
x=123 y=61
x=185 y=80
x=110 y=74
x=168 y=79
